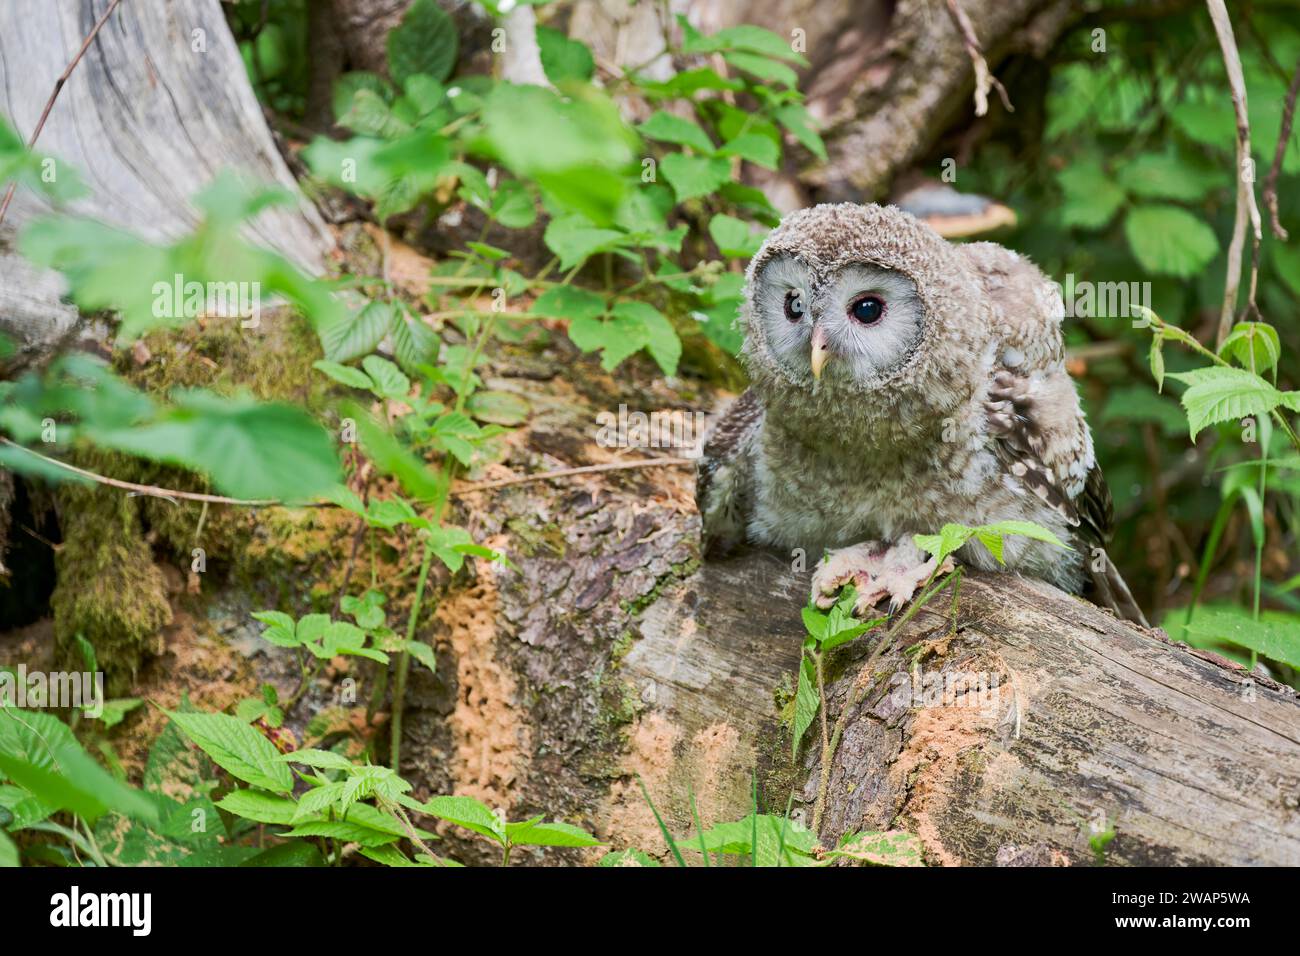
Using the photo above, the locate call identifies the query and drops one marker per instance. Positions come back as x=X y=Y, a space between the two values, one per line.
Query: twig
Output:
x=1246 y=206
x=567 y=472
x=1283 y=139
x=152 y=490
x=58 y=88
x=984 y=78
x=404 y=662
x=158 y=492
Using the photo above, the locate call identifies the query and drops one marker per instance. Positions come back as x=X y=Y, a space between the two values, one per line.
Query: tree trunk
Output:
x=158 y=106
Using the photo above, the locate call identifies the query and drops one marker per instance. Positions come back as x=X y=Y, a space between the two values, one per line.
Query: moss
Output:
x=109 y=590
x=529 y=540
x=677 y=572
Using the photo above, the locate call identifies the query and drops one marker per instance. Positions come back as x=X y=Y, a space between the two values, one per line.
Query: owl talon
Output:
x=876 y=572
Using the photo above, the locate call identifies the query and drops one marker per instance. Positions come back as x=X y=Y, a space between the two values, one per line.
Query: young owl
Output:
x=900 y=382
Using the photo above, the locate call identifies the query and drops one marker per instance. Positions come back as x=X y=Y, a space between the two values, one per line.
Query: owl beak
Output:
x=819 y=351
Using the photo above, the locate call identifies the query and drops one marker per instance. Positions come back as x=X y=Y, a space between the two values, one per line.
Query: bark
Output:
x=609 y=653
x=612 y=653
x=157 y=107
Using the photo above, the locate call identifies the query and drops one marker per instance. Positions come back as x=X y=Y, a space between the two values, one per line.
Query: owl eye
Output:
x=794 y=305
x=867 y=309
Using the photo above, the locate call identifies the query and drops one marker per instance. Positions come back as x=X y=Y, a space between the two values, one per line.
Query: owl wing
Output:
x=1034 y=417
x=724 y=475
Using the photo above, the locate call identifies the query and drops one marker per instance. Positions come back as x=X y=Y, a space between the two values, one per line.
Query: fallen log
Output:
x=1014 y=724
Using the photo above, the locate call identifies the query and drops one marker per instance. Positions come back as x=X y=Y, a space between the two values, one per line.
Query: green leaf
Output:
x=1169 y=240
x=424 y=42
x=347 y=86
x=1167 y=176
x=320 y=759
x=371 y=115
x=357 y=335
x=19 y=809
x=762 y=68
x=755 y=147
x=392 y=458
x=796 y=118
x=782 y=841
x=670 y=128
x=563 y=58
x=574 y=239
x=237 y=748
x=115 y=711
x=423 y=653
x=8 y=851
x=733 y=236
x=1210 y=122
x=345 y=831
x=295 y=853
x=692 y=176
x=952 y=537
x=249 y=449
x=344 y=374
x=806 y=701
x=414 y=343
x=1255 y=346
x=468 y=813
x=1156 y=357
x=747 y=37
x=259 y=807
x=1218 y=394
x=661 y=339
x=573 y=146
x=512 y=205
x=548 y=834
x=569 y=302
x=1090 y=196
x=280 y=628
x=891 y=848
x=388 y=378
x=1275 y=635
x=39 y=754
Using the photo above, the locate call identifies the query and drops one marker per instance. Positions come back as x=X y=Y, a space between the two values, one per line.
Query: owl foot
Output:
x=877 y=571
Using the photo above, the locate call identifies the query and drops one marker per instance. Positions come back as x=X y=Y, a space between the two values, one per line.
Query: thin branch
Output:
x=152 y=490
x=1246 y=206
x=568 y=472
x=58 y=88
x=1283 y=140
x=158 y=492
x=984 y=78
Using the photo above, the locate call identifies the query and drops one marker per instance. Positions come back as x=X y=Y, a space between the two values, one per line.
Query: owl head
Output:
x=855 y=298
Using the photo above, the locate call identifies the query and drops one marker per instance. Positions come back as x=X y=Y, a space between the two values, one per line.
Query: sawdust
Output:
x=931 y=760
x=629 y=821
x=491 y=743
x=716 y=762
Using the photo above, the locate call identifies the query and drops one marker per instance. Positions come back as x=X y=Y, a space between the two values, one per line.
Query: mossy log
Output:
x=1010 y=723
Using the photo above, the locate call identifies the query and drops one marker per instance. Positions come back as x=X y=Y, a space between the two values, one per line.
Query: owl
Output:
x=900 y=382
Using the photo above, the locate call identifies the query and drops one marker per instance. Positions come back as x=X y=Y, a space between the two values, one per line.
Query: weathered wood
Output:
x=610 y=653
x=159 y=105
x=1088 y=721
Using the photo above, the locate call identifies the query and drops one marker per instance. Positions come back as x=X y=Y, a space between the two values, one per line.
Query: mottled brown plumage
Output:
x=900 y=382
